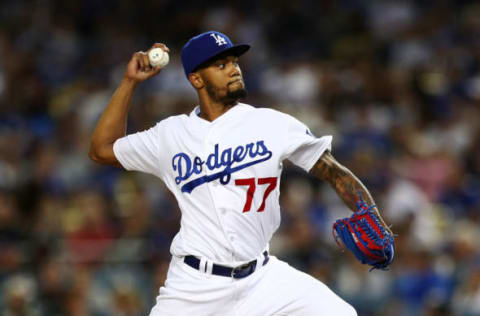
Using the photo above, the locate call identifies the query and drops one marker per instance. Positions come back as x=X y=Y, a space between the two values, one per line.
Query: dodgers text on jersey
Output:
x=186 y=166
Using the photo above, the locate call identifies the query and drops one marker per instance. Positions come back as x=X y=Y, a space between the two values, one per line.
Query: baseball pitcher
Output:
x=223 y=163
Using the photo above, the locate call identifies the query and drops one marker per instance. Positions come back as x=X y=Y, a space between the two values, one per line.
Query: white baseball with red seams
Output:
x=158 y=57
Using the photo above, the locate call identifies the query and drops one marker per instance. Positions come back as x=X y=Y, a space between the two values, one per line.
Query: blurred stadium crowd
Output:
x=397 y=83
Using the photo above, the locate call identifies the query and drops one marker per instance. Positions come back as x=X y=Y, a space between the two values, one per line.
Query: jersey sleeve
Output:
x=140 y=151
x=304 y=149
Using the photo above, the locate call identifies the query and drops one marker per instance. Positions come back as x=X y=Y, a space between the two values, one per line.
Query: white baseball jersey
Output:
x=224 y=174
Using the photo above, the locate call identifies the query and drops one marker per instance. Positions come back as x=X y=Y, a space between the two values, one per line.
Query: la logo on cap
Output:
x=218 y=39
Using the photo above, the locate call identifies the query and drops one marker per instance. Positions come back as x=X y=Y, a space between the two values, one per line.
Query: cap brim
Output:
x=236 y=50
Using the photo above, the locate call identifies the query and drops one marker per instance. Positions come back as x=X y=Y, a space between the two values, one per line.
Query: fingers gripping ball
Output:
x=366 y=237
x=158 y=57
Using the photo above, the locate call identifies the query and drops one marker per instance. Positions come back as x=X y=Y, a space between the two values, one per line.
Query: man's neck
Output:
x=211 y=110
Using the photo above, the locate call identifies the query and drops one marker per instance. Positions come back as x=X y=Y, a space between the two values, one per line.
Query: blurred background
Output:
x=397 y=83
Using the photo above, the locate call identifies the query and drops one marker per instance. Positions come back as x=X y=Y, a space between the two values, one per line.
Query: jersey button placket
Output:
x=215 y=187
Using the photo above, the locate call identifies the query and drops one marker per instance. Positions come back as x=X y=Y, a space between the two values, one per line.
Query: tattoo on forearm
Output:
x=343 y=181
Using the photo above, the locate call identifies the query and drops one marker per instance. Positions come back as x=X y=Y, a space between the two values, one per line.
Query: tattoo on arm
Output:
x=343 y=181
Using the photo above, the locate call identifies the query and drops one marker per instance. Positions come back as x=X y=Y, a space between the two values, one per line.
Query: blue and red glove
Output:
x=366 y=237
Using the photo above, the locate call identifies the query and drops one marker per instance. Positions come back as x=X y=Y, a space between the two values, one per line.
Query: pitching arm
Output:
x=113 y=122
x=112 y=125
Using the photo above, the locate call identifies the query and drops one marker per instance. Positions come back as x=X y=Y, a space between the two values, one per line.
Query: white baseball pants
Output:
x=274 y=289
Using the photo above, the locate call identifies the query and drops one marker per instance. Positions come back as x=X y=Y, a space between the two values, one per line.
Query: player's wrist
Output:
x=129 y=82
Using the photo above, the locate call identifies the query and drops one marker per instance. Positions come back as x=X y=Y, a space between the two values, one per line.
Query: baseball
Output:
x=158 y=57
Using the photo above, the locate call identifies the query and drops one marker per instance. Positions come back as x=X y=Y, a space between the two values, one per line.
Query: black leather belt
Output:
x=236 y=273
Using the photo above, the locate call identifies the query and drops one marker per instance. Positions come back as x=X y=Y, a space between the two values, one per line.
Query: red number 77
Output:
x=250 y=182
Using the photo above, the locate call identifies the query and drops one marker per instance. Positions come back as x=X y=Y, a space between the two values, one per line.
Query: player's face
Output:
x=223 y=80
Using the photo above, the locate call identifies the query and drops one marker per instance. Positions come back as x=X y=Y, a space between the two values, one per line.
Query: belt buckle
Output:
x=239 y=269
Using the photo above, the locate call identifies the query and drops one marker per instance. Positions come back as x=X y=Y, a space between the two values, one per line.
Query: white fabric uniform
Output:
x=225 y=176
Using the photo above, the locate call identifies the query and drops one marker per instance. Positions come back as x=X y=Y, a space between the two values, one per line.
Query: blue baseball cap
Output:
x=206 y=46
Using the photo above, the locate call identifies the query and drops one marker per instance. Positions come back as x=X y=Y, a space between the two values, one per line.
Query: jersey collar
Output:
x=195 y=114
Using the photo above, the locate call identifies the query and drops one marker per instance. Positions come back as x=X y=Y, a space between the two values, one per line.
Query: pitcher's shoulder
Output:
x=172 y=121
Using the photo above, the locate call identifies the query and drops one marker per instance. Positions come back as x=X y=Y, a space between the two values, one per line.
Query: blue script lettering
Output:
x=197 y=165
x=182 y=164
x=261 y=148
x=239 y=154
x=212 y=160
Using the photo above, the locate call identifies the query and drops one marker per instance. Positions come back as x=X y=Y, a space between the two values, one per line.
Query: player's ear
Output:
x=196 y=80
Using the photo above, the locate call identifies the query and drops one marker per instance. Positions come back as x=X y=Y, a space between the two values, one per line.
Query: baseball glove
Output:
x=366 y=237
